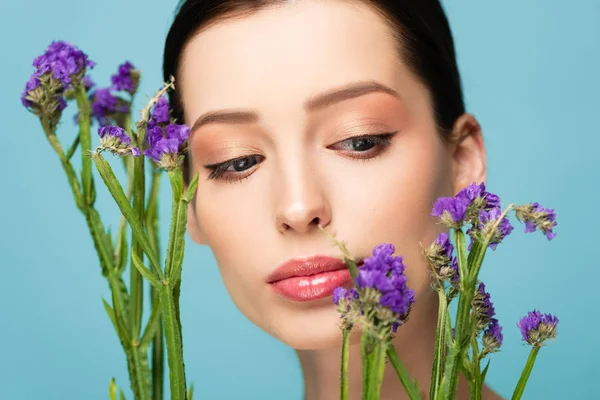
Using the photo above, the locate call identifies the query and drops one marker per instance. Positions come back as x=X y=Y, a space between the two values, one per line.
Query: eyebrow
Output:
x=314 y=103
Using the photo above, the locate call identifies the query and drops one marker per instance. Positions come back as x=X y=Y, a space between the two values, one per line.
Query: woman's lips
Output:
x=310 y=278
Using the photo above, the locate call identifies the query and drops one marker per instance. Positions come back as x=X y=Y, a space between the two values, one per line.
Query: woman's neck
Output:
x=414 y=343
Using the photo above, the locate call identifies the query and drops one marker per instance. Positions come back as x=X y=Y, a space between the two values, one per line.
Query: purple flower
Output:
x=440 y=258
x=474 y=192
x=160 y=114
x=483 y=308
x=537 y=217
x=179 y=132
x=443 y=240
x=171 y=143
x=126 y=78
x=32 y=84
x=451 y=210
x=488 y=218
x=492 y=337
x=339 y=293
x=455 y=276
x=57 y=70
x=537 y=327
x=105 y=105
x=115 y=139
x=381 y=278
x=64 y=61
x=88 y=83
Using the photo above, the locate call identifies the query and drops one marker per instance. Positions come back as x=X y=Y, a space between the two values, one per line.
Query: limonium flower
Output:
x=492 y=338
x=485 y=224
x=536 y=217
x=165 y=141
x=59 y=69
x=537 y=327
x=114 y=139
x=440 y=258
x=483 y=308
x=465 y=207
x=107 y=108
x=347 y=305
x=126 y=79
x=384 y=300
x=88 y=83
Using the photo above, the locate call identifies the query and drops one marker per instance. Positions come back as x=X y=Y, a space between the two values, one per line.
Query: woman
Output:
x=345 y=114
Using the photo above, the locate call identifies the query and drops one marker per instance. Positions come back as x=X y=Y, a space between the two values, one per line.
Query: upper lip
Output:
x=306 y=266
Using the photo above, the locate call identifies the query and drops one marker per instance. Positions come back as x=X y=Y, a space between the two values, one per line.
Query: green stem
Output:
x=157 y=343
x=465 y=297
x=344 y=367
x=475 y=383
x=66 y=164
x=376 y=370
x=85 y=140
x=174 y=344
x=439 y=358
x=364 y=350
x=411 y=388
x=136 y=282
x=525 y=374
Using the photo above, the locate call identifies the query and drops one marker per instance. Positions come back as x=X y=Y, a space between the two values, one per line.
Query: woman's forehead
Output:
x=284 y=55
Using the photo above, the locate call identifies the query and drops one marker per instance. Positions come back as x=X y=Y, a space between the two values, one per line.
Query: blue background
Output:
x=530 y=71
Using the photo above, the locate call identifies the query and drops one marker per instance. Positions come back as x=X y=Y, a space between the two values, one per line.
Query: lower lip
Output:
x=313 y=287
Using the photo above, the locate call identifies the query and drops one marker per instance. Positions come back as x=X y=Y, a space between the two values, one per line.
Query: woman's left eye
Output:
x=364 y=144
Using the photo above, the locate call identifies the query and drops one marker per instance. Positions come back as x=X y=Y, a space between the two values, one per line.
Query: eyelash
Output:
x=217 y=171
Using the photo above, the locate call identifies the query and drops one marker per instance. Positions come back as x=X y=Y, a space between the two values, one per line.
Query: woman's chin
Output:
x=309 y=328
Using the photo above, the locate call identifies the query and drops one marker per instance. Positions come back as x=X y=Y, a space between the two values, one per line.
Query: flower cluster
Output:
x=114 y=139
x=537 y=327
x=492 y=338
x=537 y=217
x=474 y=205
x=108 y=107
x=483 y=308
x=126 y=79
x=60 y=69
x=439 y=255
x=165 y=140
x=381 y=293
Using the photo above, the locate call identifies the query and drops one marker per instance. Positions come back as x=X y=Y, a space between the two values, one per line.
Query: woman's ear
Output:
x=468 y=156
x=193 y=227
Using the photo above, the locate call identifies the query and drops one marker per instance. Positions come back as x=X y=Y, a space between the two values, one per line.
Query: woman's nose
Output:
x=302 y=204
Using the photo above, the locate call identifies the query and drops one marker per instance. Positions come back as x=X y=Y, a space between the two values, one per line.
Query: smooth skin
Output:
x=280 y=71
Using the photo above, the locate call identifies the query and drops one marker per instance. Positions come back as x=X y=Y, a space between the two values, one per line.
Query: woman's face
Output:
x=298 y=162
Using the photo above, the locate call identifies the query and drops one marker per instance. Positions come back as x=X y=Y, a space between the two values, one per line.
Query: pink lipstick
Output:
x=308 y=279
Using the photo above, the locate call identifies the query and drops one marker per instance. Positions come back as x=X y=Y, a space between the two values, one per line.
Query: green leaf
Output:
x=72 y=148
x=190 y=395
x=121 y=331
x=121 y=395
x=484 y=372
x=410 y=386
x=112 y=389
x=152 y=326
x=116 y=191
x=145 y=272
x=192 y=189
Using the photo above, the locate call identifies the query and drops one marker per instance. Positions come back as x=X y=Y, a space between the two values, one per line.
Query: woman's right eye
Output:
x=235 y=169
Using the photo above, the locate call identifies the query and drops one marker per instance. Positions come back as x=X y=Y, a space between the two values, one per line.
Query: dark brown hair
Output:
x=421 y=27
